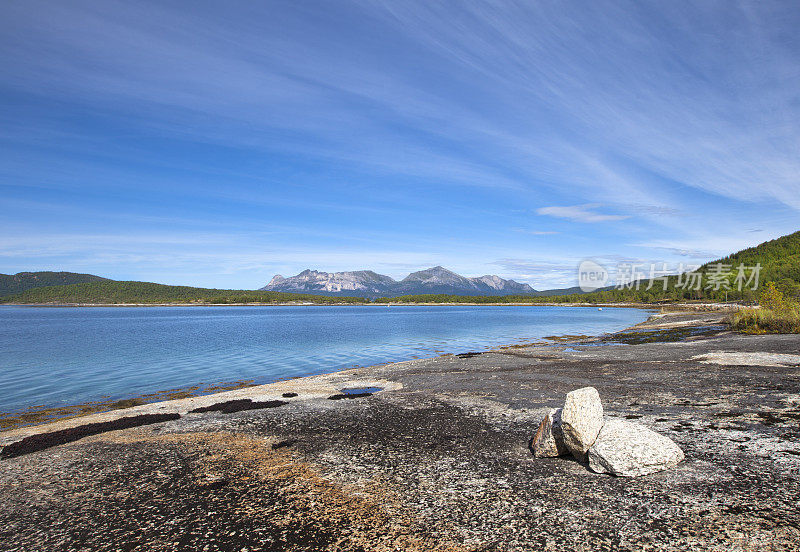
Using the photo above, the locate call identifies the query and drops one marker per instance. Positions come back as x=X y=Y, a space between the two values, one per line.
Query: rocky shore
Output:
x=437 y=460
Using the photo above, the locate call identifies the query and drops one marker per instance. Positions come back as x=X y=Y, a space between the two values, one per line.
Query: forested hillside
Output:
x=779 y=259
x=113 y=292
x=23 y=281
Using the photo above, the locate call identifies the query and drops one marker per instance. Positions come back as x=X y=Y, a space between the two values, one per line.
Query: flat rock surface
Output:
x=442 y=461
x=629 y=449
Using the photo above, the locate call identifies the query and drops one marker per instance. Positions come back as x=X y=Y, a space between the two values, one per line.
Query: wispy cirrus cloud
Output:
x=439 y=125
x=536 y=232
x=579 y=213
x=650 y=210
x=541 y=274
x=693 y=253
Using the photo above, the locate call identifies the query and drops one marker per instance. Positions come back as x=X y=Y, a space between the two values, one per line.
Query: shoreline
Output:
x=438 y=459
x=679 y=306
x=269 y=391
x=238 y=390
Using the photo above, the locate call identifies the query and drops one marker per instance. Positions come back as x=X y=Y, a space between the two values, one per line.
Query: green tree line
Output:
x=116 y=292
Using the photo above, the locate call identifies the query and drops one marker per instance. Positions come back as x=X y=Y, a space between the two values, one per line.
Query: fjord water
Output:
x=63 y=356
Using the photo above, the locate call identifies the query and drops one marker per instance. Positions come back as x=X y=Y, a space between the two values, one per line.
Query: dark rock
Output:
x=229 y=407
x=548 y=442
x=46 y=440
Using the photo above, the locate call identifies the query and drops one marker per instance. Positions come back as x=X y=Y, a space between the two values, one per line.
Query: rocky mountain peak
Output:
x=436 y=274
x=367 y=283
x=494 y=282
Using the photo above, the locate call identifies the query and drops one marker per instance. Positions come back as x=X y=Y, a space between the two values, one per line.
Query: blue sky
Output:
x=216 y=144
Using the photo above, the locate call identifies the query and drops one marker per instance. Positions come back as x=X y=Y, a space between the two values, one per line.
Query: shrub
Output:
x=772 y=299
x=777 y=314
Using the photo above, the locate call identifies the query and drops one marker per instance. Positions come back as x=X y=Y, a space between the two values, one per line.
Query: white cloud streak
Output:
x=579 y=213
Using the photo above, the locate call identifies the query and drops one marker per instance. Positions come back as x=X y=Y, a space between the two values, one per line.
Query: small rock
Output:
x=212 y=481
x=548 y=442
x=629 y=449
x=581 y=420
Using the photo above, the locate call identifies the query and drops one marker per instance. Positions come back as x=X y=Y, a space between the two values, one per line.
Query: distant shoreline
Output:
x=689 y=306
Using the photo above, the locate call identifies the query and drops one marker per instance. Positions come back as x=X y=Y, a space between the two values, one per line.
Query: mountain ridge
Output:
x=367 y=283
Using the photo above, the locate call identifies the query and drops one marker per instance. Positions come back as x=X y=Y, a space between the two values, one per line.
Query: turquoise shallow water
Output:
x=64 y=356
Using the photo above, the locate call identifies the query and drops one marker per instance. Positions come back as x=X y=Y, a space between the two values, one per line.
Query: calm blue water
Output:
x=65 y=356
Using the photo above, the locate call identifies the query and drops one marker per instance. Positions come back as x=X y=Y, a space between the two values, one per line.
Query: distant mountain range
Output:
x=23 y=281
x=779 y=260
x=360 y=283
x=366 y=283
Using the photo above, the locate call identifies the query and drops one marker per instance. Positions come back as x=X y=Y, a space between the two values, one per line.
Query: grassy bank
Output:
x=776 y=314
x=760 y=321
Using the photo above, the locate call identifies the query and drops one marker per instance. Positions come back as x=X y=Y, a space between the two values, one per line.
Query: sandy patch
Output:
x=748 y=359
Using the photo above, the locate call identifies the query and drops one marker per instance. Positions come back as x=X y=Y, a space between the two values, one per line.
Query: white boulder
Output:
x=581 y=420
x=628 y=449
x=548 y=442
